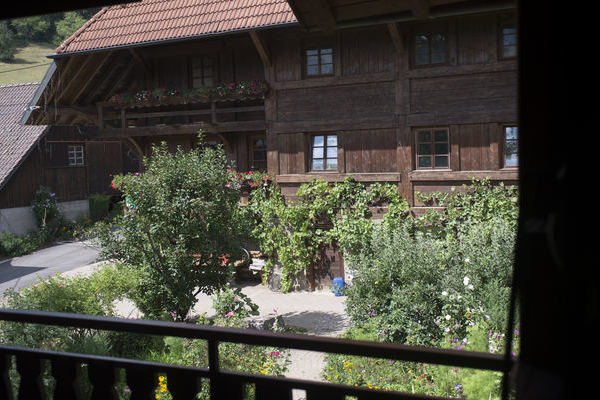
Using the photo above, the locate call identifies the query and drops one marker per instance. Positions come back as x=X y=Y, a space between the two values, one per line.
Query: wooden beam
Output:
x=84 y=88
x=77 y=77
x=141 y=63
x=261 y=48
x=123 y=77
x=396 y=38
x=420 y=8
x=324 y=14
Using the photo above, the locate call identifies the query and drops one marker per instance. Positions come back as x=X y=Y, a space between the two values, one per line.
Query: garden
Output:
x=440 y=280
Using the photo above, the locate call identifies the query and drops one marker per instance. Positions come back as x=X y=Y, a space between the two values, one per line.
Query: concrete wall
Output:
x=20 y=220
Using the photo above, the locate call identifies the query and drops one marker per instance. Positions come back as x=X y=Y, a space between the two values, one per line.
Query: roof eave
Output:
x=173 y=40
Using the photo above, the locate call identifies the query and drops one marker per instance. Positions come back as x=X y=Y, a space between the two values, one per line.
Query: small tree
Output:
x=8 y=46
x=180 y=231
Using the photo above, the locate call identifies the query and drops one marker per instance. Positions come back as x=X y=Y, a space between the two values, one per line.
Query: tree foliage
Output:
x=181 y=230
x=8 y=45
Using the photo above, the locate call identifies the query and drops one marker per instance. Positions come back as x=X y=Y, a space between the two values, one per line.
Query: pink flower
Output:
x=229 y=314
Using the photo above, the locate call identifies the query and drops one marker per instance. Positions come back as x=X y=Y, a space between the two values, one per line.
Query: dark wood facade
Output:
x=374 y=95
x=69 y=164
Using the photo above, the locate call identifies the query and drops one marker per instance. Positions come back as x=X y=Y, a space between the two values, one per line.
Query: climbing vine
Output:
x=294 y=232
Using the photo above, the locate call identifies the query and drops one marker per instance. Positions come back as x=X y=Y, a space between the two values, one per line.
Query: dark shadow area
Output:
x=8 y=272
x=316 y=322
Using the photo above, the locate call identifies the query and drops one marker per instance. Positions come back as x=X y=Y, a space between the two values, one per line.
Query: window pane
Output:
x=332 y=163
x=317 y=165
x=318 y=152
x=312 y=52
x=326 y=51
x=511 y=146
x=441 y=161
x=424 y=149
x=312 y=70
x=331 y=152
x=512 y=160
x=510 y=40
x=441 y=148
x=441 y=136
x=331 y=140
x=424 y=136
x=327 y=69
x=312 y=60
x=421 y=59
x=326 y=59
x=438 y=58
x=318 y=141
x=424 y=162
x=511 y=132
x=509 y=51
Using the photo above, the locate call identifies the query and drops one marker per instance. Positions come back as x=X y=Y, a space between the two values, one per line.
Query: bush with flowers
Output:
x=443 y=280
x=181 y=231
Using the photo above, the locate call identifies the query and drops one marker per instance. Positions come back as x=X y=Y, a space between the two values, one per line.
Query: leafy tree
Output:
x=8 y=45
x=39 y=27
x=180 y=231
x=71 y=21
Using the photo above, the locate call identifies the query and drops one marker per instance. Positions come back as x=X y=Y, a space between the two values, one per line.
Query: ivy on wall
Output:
x=293 y=233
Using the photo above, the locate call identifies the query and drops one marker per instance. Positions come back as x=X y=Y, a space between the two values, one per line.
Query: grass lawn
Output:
x=29 y=65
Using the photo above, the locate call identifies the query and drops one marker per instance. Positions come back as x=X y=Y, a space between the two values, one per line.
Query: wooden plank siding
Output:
x=376 y=99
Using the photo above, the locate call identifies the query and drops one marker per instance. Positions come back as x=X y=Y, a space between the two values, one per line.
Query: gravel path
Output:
x=319 y=312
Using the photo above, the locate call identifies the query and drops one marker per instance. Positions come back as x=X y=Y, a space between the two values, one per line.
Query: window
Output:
x=319 y=61
x=433 y=150
x=508 y=35
x=511 y=137
x=430 y=48
x=258 y=154
x=202 y=71
x=75 y=154
x=324 y=153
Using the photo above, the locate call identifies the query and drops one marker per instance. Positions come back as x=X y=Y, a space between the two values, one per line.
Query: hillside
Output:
x=29 y=65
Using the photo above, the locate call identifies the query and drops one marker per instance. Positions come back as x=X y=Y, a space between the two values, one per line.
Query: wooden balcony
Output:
x=183 y=380
x=211 y=116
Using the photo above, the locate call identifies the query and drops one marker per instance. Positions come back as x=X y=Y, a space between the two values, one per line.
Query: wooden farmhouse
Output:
x=420 y=94
x=61 y=158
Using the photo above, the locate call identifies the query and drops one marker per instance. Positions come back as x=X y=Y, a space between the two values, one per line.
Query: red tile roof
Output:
x=151 y=21
x=16 y=140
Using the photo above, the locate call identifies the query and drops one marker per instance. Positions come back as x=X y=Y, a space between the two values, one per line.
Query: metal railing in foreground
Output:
x=183 y=381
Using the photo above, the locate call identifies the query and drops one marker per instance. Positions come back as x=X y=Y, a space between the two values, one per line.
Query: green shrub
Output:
x=295 y=233
x=181 y=231
x=14 y=246
x=99 y=206
x=93 y=295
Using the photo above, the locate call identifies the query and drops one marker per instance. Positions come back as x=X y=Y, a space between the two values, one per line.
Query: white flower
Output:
x=444 y=293
x=467 y=260
x=466 y=281
x=447 y=317
x=470 y=287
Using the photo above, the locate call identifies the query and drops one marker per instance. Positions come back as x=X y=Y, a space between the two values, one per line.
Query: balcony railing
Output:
x=183 y=380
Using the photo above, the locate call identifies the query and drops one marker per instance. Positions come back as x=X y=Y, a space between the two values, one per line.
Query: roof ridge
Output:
x=90 y=21
x=19 y=84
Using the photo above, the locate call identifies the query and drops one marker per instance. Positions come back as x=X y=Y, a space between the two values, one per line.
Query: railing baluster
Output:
x=141 y=382
x=6 y=391
x=102 y=376
x=65 y=373
x=323 y=394
x=272 y=390
x=182 y=385
x=30 y=369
